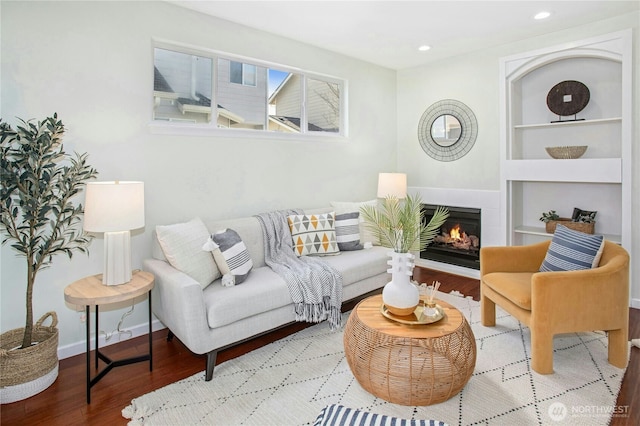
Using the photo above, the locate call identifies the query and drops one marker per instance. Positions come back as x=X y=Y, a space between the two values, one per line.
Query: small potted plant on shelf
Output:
x=552 y=219
x=40 y=216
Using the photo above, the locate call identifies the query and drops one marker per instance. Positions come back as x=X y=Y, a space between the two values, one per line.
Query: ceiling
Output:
x=388 y=33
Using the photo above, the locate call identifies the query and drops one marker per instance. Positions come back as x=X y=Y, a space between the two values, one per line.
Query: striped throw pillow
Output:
x=572 y=250
x=231 y=256
x=348 y=231
x=334 y=414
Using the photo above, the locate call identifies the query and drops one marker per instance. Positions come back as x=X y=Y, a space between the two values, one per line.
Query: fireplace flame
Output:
x=454 y=233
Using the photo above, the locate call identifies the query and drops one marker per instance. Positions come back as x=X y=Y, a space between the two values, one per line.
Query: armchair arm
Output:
x=512 y=258
x=179 y=304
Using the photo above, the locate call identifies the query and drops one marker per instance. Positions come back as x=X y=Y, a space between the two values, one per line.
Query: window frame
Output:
x=211 y=128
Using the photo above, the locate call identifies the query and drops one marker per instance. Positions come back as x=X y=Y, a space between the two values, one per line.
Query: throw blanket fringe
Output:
x=315 y=286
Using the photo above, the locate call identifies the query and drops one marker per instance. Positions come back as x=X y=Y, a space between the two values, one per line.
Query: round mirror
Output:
x=446 y=130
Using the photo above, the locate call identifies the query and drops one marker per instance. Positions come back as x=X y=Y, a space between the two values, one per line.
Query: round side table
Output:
x=409 y=364
x=90 y=291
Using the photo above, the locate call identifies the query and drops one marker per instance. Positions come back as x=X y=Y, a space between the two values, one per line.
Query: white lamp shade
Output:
x=114 y=206
x=392 y=185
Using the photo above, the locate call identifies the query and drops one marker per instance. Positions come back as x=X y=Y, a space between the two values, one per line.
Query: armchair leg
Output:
x=542 y=352
x=487 y=312
x=618 y=348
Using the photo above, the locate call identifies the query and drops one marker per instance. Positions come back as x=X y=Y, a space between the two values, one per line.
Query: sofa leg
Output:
x=487 y=312
x=211 y=363
x=170 y=336
x=618 y=348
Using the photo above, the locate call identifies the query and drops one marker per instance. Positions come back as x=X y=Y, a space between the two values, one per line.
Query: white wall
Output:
x=473 y=79
x=92 y=63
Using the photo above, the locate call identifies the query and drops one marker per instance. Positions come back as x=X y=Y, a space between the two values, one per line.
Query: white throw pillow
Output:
x=341 y=207
x=182 y=246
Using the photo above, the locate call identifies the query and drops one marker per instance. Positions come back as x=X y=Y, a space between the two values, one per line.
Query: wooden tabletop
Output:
x=369 y=314
x=90 y=290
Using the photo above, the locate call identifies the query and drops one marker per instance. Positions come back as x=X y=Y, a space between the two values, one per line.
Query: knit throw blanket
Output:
x=314 y=285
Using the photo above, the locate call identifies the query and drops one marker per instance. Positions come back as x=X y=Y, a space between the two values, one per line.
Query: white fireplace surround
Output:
x=491 y=232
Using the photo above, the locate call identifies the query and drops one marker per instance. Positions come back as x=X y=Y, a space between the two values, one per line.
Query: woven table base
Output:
x=409 y=364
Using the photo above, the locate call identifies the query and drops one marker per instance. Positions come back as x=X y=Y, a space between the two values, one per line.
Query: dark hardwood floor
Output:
x=64 y=403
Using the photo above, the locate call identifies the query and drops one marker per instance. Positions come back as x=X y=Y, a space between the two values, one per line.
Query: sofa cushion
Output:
x=182 y=246
x=348 y=231
x=515 y=286
x=313 y=234
x=231 y=256
x=572 y=250
x=366 y=235
x=358 y=265
x=262 y=291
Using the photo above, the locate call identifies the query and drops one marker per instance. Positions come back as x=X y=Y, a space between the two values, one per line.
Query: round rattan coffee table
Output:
x=409 y=364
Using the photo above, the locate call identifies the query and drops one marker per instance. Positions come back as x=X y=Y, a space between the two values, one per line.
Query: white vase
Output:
x=400 y=296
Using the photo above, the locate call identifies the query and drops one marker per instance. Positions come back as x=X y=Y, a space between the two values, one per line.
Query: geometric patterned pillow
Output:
x=348 y=231
x=313 y=234
x=231 y=256
x=572 y=250
x=335 y=414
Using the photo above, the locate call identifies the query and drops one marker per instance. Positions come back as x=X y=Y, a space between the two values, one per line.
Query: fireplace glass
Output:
x=458 y=242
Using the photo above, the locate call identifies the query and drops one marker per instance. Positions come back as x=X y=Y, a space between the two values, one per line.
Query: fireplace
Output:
x=458 y=241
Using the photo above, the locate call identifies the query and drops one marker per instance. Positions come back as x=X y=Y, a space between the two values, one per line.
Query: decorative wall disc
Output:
x=568 y=98
x=440 y=137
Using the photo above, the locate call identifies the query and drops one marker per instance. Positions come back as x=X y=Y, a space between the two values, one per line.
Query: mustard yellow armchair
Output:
x=550 y=303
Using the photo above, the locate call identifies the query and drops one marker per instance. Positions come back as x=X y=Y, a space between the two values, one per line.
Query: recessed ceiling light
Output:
x=542 y=15
x=424 y=48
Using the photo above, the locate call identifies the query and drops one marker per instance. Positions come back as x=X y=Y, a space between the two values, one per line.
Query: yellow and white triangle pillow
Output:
x=314 y=234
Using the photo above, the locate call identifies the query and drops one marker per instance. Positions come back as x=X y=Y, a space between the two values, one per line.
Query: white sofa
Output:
x=210 y=319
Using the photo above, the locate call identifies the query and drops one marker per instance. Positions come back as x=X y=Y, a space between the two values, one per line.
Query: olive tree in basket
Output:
x=40 y=215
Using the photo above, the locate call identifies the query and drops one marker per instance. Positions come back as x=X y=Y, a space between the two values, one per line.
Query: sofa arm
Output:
x=179 y=304
x=512 y=258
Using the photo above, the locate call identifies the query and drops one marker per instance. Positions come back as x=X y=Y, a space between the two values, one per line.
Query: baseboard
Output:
x=635 y=303
x=78 y=348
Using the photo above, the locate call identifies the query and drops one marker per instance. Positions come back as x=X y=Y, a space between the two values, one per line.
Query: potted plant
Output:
x=40 y=217
x=398 y=224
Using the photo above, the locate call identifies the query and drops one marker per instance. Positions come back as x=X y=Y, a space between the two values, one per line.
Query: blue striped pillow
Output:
x=572 y=250
x=335 y=414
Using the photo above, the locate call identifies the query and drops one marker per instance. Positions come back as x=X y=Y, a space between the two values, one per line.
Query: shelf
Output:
x=593 y=170
x=540 y=231
x=568 y=123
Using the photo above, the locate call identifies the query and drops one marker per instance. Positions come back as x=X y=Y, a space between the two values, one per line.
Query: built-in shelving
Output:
x=541 y=232
x=568 y=123
x=531 y=181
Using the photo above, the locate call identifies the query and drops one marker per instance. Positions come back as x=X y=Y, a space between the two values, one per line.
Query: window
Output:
x=242 y=73
x=215 y=90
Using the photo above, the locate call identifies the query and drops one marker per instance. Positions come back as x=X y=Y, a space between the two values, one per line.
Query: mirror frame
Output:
x=468 y=134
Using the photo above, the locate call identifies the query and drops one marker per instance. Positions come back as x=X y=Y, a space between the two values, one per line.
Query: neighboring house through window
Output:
x=248 y=94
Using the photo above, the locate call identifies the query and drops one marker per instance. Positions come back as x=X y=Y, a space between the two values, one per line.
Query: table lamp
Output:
x=392 y=185
x=115 y=208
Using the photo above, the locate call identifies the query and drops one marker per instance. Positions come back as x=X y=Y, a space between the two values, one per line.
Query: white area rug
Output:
x=289 y=381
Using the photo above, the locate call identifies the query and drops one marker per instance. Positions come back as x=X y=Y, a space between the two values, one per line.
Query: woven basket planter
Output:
x=26 y=372
x=586 y=227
